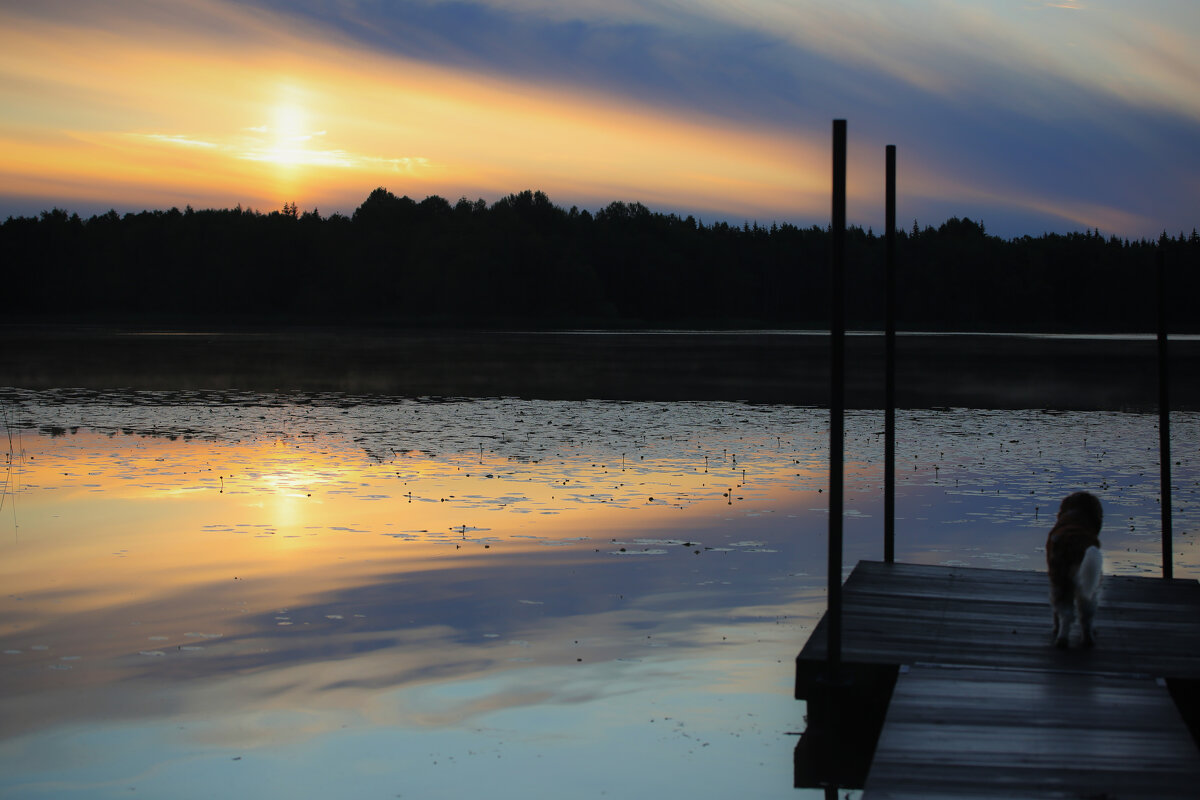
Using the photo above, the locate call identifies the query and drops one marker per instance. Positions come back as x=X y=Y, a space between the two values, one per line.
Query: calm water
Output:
x=321 y=595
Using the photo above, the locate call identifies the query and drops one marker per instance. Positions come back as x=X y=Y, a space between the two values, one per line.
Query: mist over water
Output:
x=245 y=594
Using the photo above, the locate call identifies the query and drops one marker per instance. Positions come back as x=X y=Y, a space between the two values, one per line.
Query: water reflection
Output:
x=244 y=594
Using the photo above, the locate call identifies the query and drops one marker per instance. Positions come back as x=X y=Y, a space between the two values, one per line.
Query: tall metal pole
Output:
x=889 y=418
x=1164 y=419
x=837 y=396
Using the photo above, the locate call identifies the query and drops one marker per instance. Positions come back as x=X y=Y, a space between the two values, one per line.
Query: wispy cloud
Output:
x=177 y=139
x=260 y=143
x=942 y=46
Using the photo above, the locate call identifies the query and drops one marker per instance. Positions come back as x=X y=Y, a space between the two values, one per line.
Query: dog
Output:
x=1075 y=564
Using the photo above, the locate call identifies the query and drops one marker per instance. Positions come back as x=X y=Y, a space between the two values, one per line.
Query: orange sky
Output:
x=319 y=123
x=998 y=112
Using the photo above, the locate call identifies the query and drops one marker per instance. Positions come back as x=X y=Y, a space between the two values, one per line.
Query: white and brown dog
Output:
x=1075 y=564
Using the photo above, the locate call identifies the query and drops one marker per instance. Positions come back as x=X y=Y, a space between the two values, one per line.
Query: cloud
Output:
x=1150 y=58
x=177 y=139
x=260 y=143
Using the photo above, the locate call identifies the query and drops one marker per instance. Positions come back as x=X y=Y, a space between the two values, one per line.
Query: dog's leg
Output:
x=1087 y=613
x=1064 y=615
x=1062 y=603
x=1087 y=592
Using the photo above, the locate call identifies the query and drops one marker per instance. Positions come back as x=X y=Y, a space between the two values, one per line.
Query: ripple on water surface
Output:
x=404 y=585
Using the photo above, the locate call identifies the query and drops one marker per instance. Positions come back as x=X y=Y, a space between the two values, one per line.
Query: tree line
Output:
x=524 y=261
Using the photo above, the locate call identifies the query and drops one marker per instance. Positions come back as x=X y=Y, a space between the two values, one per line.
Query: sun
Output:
x=290 y=142
x=288 y=136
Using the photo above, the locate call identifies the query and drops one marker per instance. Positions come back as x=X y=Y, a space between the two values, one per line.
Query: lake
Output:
x=973 y=370
x=313 y=594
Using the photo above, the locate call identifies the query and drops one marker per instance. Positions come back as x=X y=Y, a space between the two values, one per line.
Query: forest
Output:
x=524 y=262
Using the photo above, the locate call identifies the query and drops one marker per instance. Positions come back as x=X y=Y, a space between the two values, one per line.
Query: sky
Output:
x=1033 y=116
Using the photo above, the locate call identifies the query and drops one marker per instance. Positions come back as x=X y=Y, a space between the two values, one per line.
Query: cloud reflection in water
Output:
x=287 y=595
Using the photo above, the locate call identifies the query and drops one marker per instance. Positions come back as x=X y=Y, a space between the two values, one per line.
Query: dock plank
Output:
x=967 y=732
x=906 y=613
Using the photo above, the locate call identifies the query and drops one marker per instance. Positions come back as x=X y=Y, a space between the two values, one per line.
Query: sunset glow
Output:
x=998 y=111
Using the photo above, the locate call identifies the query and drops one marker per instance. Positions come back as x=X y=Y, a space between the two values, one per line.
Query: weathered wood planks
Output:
x=1015 y=733
x=987 y=707
x=907 y=613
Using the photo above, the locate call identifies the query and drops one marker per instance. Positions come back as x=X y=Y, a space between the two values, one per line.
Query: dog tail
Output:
x=1087 y=579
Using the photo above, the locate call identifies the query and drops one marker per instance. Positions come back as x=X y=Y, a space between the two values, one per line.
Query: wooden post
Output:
x=837 y=397
x=889 y=418
x=1164 y=420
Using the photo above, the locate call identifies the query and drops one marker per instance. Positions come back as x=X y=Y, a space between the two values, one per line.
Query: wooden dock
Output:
x=950 y=687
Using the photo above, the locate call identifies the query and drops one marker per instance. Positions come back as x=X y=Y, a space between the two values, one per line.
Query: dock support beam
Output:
x=889 y=418
x=1164 y=420
x=837 y=395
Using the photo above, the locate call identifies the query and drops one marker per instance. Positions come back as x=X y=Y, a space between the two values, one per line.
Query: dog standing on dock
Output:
x=1075 y=564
